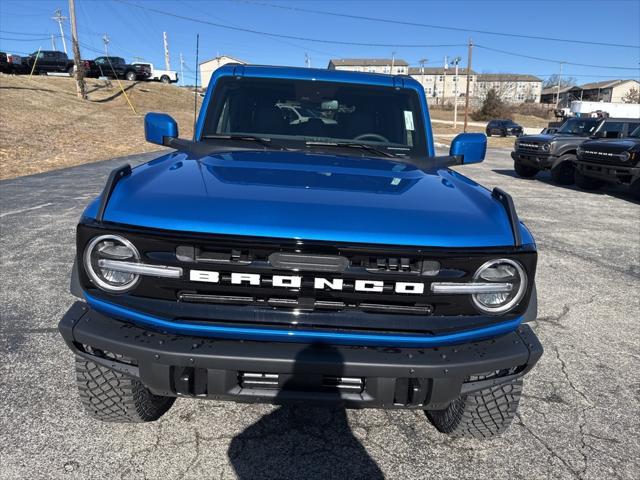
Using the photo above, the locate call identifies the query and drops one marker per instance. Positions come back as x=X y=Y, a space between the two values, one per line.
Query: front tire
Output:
x=130 y=75
x=111 y=396
x=525 y=171
x=588 y=183
x=165 y=79
x=481 y=415
x=563 y=173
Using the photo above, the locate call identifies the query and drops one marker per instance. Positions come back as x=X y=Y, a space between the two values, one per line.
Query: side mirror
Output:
x=470 y=147
x=159 y=128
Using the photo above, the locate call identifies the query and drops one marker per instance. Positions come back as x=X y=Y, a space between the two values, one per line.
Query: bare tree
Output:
x=564 y=82
x=632 y=96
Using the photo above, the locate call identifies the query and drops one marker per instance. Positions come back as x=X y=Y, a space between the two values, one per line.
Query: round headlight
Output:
x=110 y=247
x=546 y=147
x=624 y=156
x=503 y=271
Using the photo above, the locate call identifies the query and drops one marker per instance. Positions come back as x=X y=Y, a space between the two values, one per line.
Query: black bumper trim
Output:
x=609 y=173
x=176 y=365
x=538 y=160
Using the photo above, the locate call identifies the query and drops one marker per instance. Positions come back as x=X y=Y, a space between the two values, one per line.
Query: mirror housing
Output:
x=469 y=147
x=159 y=128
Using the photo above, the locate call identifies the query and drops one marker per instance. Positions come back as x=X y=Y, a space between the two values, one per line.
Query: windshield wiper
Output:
x=363 y=146
x=249 y=138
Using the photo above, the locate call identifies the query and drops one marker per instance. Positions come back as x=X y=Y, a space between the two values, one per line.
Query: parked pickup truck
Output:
x=317 y=262
x=610 y=161
x=49 y=61
x=557 y=151
x=164 y=76
x=117 y=67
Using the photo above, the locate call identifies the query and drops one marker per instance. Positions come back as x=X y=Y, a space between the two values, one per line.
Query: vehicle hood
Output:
x=309 y=196
x=546 y=138
x=611 y=146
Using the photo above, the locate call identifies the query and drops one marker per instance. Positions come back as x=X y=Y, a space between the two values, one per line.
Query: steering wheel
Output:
x=372 y=136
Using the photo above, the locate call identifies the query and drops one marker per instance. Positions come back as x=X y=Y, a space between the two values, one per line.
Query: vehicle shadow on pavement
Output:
x=544 y=177
x=302 y=441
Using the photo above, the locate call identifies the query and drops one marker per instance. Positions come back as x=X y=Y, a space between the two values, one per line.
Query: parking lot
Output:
x=578 y=418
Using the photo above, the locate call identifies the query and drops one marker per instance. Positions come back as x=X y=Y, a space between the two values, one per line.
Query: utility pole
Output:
x=456 y=61
x=307 y=60
x=422 y=61
x=393 y=61
x=466 y=98
x=53 y=42
x=60 y=19
x=444 y=79
x=558 y=92
x=167 y=64
x=181 y=69
x=80 y=86
x=106 y=40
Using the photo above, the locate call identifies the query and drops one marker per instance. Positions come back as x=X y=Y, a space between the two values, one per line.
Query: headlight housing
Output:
x=502 y=271
x=624 y=156
x=110 y=248
x=546 y=147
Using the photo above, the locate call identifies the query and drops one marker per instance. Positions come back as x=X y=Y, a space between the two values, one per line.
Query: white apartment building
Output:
x=440 y=83
x=390 y=66
x=511 y=87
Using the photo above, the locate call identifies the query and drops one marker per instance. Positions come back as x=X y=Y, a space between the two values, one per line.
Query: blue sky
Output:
x=137 y=32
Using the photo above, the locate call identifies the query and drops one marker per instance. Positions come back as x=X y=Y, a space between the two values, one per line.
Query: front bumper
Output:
x=609 y=173
x=274 y=372
x=542 y=161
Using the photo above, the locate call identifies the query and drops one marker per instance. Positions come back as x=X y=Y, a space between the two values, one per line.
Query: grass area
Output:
x=524 y=120
x=44 y=126
x=444 y=133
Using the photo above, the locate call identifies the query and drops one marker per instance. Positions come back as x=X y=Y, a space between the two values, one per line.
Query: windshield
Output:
x=635 y=133
x=311 y=114
x=579 y=126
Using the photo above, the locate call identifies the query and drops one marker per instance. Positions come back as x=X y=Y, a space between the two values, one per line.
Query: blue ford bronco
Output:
x=327 y=258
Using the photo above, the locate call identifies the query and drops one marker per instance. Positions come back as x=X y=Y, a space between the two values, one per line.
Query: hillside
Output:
x=44 y=126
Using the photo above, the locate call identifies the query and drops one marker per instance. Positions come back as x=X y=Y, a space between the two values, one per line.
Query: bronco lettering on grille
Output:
x=295 y=281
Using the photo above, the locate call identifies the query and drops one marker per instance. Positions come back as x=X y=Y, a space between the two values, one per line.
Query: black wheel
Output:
x=563 y=173
x=165 y=79
x=525 y=171
x=488 y=133
x=111 y=396
x=588 y=183
x=503 y=133
x=130 y=75
x=71 y=71
x=483 y=414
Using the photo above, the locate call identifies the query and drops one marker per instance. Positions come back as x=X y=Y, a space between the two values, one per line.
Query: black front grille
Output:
x=394 y=271
x=604 y=157
x=529 y=147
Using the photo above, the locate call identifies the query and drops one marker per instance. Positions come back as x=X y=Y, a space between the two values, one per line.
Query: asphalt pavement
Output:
x=579 y=417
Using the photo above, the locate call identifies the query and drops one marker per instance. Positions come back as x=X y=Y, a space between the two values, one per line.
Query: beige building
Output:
x=607 y=91
x=390 y=66
x=512 y=87
x=440 y=84
x=209 y=66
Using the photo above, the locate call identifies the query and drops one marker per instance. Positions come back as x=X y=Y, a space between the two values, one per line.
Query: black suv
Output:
x=47 y=61
x=503 y=128
x=610 y=161
x=557 y=152
x=117 y=67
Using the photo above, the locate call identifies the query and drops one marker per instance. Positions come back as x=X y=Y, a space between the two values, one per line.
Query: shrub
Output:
x=492 y=107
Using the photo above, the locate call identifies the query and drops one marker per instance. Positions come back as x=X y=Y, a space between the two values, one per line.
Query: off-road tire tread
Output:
x=481 y=415
x=111 y=396
x=525 y=171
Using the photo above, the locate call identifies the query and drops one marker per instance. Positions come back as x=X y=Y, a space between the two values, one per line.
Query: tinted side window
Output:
x=611 y=130
x=632 y=126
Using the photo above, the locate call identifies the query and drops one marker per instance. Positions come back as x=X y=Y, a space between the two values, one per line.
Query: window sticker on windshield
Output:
x=408 y=120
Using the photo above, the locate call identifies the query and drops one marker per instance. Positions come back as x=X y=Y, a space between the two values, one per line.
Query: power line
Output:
x=281 y=35
x=554 y=61
x=444 y=27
